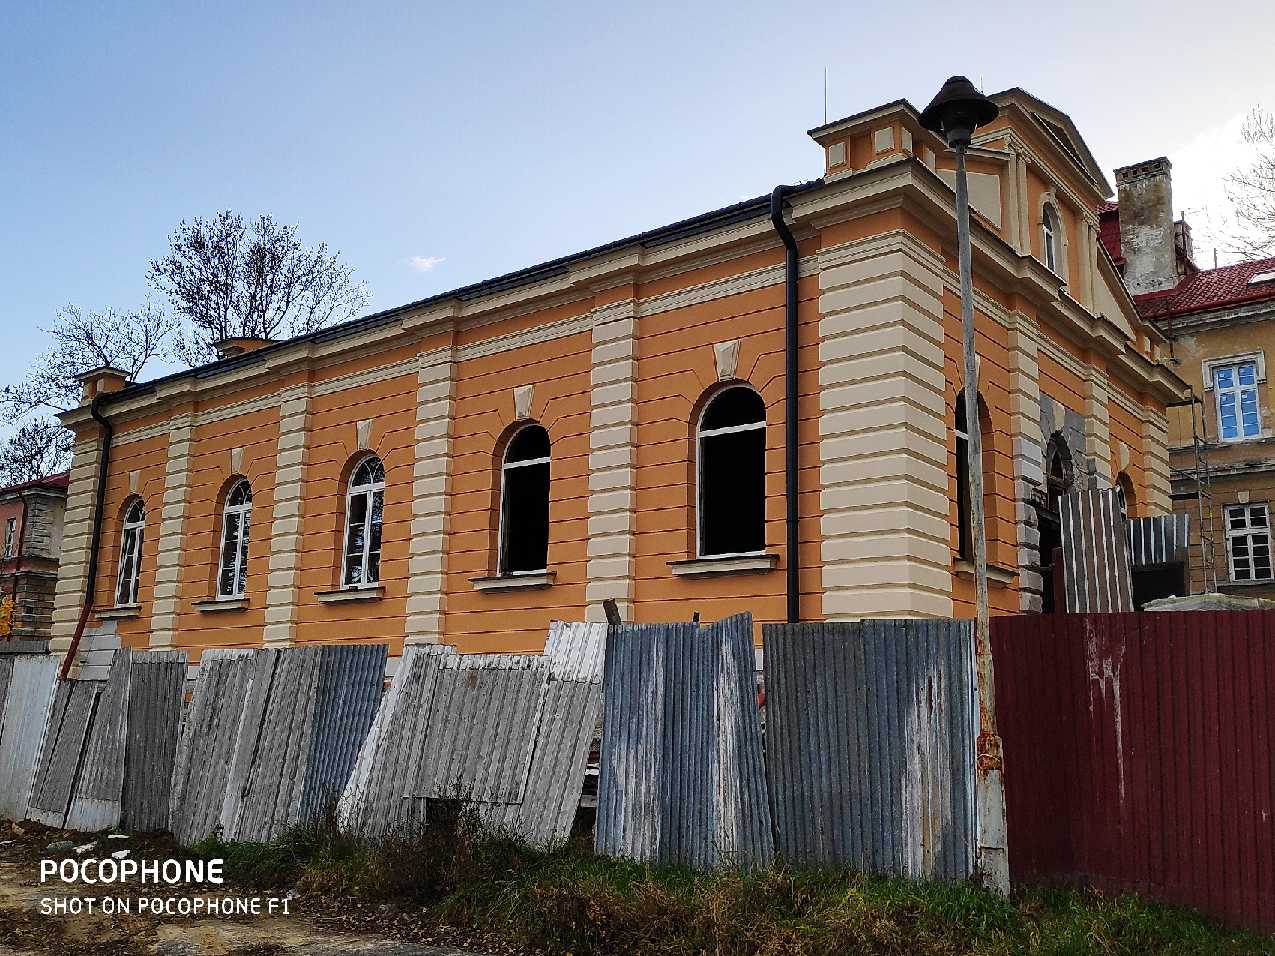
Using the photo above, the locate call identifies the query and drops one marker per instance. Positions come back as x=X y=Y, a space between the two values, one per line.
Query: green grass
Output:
x=567 y=900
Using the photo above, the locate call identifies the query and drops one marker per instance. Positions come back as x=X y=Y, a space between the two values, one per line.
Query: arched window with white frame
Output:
x=523 y=538
x=364 y=507
x=731 y=472
x=1051 y=238
x=236 y=517
x=131 y=536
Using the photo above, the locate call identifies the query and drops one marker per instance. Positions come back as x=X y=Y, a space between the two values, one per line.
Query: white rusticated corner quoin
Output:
x=524 y=395
x=364 y=429
x=726 y=355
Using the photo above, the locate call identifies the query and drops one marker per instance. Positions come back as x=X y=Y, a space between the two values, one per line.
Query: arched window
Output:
x=524 y=503
x=232 y=573
x=1125 y=496
x=1051 y=238
x=364 y=503
x=732 y=474
x=131 y=534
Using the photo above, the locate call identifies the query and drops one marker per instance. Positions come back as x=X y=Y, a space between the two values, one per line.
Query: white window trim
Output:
x=700 y=434
x=244 y=510
x=369 y=491
x=10 y=536
x=138 y=526
x=505 y=466
x=1258 y=358
x=1247 y=532
x=1210 y=366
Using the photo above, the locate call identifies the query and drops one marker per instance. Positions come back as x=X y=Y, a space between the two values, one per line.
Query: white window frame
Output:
x=1248 y=532
x=505 y=466
x=138 y=527
x=1234 y=365
x=700 y=434
x=1051 y=238
x=369 y=491
x=10 y=536
x=244 y=511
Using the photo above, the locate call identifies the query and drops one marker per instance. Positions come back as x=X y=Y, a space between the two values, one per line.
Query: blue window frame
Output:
x=1236 y=388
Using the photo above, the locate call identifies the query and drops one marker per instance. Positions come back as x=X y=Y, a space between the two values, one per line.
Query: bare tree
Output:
x=1251 y=190
x=81 y=340
x=230 y=279
x=39 y=448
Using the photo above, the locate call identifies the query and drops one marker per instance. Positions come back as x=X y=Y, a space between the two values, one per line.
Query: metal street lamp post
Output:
x=954 y=114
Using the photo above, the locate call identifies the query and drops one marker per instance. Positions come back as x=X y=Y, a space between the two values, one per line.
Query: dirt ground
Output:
x=314 y=927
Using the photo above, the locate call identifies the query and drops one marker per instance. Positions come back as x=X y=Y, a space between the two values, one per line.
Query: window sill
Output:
x=513 y=582
x=119 y=612
x=212 y=605
x=995 y=573
x=1268 y=582
x=740 y=564
x=371 y=592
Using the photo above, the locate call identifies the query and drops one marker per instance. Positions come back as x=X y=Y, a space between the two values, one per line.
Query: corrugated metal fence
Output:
x=870 y=731
x=1095 y=552
x=1138 y=754
x=681 y=777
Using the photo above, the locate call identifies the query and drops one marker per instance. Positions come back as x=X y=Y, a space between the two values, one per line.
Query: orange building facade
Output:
x=619 y=354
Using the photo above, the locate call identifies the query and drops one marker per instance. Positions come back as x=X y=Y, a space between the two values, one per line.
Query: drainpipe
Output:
x=790 y=398
x=96 y=538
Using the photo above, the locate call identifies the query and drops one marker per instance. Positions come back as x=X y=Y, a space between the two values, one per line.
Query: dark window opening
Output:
x=524 y=506
x=964 y=538
x=732 y=474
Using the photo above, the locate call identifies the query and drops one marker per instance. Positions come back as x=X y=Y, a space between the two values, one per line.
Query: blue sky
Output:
x=435 y=145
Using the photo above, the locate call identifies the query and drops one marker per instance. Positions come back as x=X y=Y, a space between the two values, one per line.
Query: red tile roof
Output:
x=1210 y=289
x=60 y=480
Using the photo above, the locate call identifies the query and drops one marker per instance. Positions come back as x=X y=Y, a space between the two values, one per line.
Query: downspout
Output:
x=96 y=538
x=790 y=399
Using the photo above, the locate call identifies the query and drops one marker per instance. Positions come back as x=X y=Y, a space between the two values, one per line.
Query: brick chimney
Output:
x=99 y=380
x=1147 y=233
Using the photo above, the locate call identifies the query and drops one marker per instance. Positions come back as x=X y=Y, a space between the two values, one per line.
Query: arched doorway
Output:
x=1059 y=478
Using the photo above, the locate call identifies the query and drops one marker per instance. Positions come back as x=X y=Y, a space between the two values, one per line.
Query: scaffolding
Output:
x=1195 y=481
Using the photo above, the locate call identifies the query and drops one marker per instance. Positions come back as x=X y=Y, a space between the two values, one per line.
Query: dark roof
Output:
x=1211 y=289
x=60 y=480
x=651 y=238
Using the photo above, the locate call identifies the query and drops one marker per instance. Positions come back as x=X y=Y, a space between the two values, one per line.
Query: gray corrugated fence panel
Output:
x=276 y=705
x=631 y=771
x=742 y=829
x=6 y=669
x=482 y=727
x=306 y=716
x=156 y=687
x=97 y=801
x=350 y=682
x=1095 y=553
x=1159 y=539
x=385 y=769
x=208 y=741
x=681 y=776
x=555 y=779
x=576 y=650
x=73 y=709
x=22 y=727
x=870 y=730
x=22 y=647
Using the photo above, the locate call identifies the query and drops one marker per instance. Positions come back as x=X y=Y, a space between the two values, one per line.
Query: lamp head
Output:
x=957 y=111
